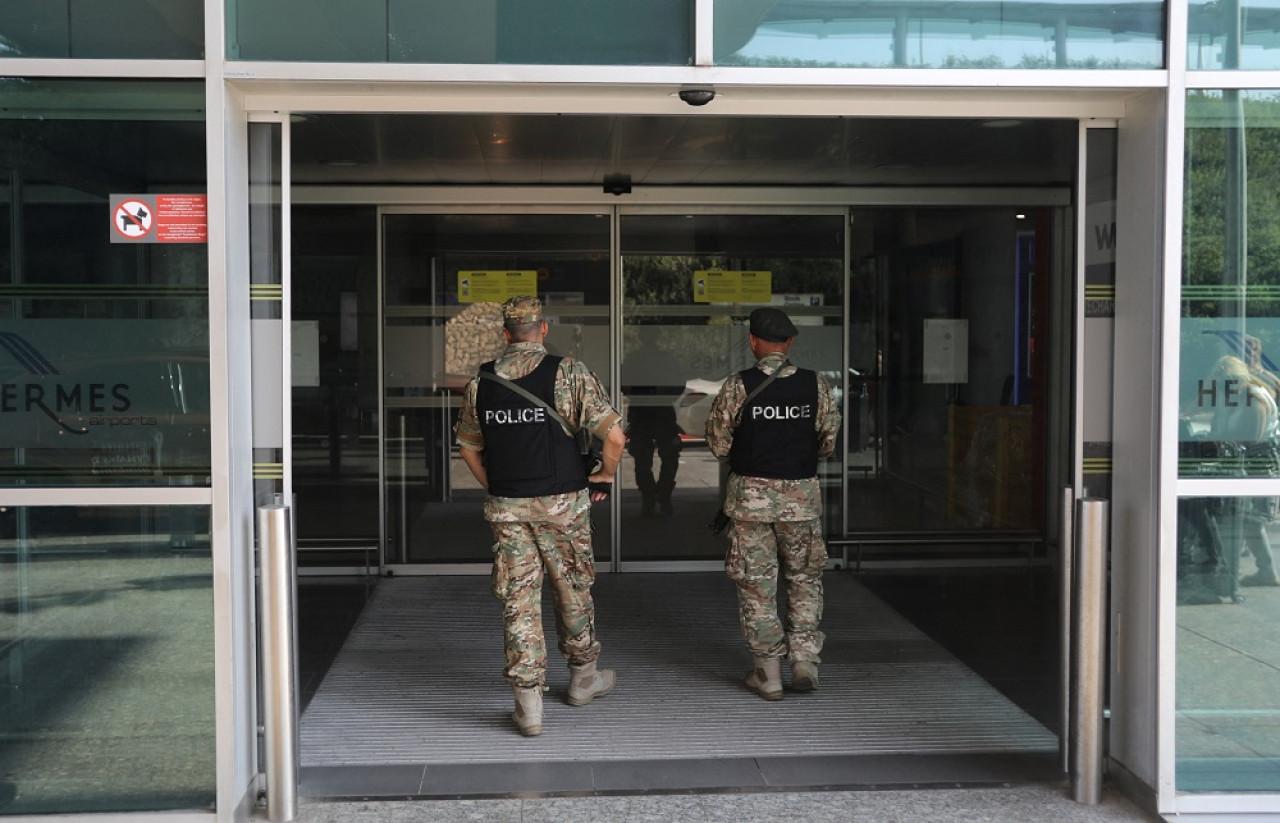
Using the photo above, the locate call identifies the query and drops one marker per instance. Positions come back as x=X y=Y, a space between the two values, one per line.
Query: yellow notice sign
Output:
x=495 y=286
x=718 y=286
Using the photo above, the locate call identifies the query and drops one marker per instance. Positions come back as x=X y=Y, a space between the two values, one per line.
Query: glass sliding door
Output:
x=948 y=388
x=444 y=278
x=950 y=404
x=689 y=281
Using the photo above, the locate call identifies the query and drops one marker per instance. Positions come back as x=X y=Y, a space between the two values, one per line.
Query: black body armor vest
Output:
x=775 y=436
x=527 y=453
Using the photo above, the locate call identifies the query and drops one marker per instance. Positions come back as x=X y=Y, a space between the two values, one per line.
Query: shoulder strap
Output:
x=769 y=379
x=528 y=395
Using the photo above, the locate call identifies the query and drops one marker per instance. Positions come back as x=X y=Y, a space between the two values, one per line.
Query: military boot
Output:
x=528 y=713
x=804 y=676
x=586 y=683
x=766 y=678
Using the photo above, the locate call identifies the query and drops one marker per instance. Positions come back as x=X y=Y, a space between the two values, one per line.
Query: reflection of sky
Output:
x=1204 y=52
x=871 y=42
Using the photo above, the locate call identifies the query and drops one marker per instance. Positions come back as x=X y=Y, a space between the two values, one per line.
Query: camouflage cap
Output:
x=521 y=309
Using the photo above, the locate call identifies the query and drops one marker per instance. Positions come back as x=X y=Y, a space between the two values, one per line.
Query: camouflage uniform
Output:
x=775 y=520
x=551 y=533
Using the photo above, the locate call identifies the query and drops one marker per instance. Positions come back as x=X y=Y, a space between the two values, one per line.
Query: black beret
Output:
x=772 y=325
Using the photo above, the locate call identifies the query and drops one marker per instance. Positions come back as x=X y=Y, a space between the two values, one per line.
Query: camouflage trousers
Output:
x=522 y=554
x=756 y=550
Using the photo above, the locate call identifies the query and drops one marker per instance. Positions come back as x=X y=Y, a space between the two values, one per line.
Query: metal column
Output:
x=1066 y=555
x=279 y=584
x=1089 y=650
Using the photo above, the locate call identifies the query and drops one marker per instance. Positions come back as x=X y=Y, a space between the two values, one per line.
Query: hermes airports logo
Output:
x=46 y=392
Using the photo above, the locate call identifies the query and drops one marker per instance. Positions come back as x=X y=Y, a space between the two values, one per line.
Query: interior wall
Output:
x=1136 y=468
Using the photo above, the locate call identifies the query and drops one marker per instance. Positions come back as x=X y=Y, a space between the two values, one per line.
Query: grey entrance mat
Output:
x=419 y=681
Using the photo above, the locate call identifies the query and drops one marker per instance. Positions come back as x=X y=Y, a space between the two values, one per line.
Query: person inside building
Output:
x=773 y=423
x=1246 y=426
x=651 y=419
x=516 y=433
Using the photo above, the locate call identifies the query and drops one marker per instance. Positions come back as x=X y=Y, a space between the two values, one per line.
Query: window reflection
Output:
x=1230 y=330
x=104 y=346
x=106 y=640
x=1022 y=35
x=1228 y=653
x=543 y=32
x=1232 y=35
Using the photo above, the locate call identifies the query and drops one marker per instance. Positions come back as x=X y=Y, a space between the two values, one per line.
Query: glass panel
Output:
x=1023 y=35
x=335 y=406
x=444 y=276
x=126 y=29
x=104 y=376
x=1232 y=35
x=331 y=31
x=947 y=387
x=1228 y=697
x=556 y=32
x=681 y=341
x=107 y=670
x=266 y=306
x=1230 y=340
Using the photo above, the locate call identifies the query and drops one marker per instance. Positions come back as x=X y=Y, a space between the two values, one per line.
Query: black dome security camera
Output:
x=697 y=97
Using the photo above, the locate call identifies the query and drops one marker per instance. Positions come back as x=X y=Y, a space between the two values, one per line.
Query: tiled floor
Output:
x=1050 y=803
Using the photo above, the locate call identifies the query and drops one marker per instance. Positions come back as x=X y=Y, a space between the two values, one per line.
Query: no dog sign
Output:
x=159 y=218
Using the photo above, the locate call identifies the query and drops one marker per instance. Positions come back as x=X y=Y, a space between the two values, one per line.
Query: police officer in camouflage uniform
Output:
x=773 y=445
x=539 y=503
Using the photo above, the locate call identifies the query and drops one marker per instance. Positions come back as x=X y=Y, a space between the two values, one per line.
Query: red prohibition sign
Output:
x=133 y=219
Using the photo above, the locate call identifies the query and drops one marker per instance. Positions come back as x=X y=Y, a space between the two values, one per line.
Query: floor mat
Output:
x=419 y=680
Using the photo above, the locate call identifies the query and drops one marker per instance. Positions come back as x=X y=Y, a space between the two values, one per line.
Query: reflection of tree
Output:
x=667 y=280
x=1210 y=221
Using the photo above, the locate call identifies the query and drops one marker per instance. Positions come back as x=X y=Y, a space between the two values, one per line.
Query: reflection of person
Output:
x=652 y=428
x=773 y=444
x=1253 y=359
x=1245 y=423
x=538 y=504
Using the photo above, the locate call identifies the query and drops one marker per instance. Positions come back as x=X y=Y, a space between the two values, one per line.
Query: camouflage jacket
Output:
x=579 y=399
x=766 y=499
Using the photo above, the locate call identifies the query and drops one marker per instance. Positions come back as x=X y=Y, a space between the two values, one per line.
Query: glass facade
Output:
x=107 y=635
x=535 y=32
x=938 y=35
x=104 y=376
x=1227 y=738
x=1228 y=685
x=1233 y=35
x=104 y=344
x=1230 y=330
x=78 y=29
x=106 y=660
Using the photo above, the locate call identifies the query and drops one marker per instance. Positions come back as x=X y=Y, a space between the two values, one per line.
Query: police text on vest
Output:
x=782 y=412
x=508 y=416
